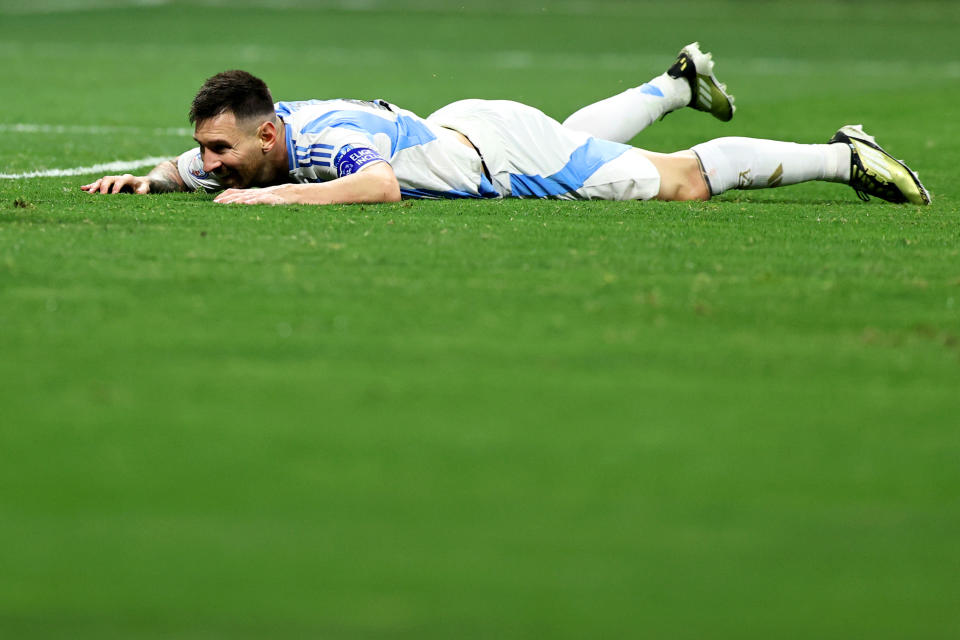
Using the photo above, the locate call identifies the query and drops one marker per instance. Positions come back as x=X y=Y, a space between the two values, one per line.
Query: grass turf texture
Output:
x=480 y=420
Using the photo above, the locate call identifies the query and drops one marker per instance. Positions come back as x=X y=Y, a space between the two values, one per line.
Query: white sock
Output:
x=621 y=117
x=749 y=163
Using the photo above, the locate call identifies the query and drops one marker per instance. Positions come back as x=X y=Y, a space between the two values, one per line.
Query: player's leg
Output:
x=851 y=157
x=681 y=176
x=689 y=82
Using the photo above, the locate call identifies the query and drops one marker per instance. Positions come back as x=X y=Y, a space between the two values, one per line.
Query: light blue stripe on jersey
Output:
x=486 y=188
x=429 y=194
x=291 y=149
x=583 y=163
x=314 y=150
x=314 y=154
x=405 y=132
x=304 y=153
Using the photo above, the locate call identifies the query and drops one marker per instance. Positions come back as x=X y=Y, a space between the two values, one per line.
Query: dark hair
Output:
x=237 y=91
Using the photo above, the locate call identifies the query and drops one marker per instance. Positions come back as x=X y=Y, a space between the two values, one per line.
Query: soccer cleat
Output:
x=874 y=172
x=707 y=93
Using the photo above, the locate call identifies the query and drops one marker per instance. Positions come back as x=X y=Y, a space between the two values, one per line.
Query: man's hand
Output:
x=119 y=184
x=270 y=195
x=164 y=178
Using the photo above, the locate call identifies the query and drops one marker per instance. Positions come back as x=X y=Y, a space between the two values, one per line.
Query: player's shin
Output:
x=750 y=163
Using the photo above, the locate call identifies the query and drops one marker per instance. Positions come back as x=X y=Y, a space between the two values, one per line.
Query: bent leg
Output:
x=690 y=81
x=619 y=118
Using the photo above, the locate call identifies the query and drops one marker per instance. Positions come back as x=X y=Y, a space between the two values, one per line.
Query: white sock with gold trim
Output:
x=751 y=163
x=621 y=117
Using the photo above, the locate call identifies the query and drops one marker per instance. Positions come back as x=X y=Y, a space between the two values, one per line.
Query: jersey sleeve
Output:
x=354 y=158
x=343 y=150
x=190 y=166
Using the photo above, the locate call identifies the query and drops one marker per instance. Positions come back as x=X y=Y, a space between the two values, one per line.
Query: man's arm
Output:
x=164 y=178
x=375 y=183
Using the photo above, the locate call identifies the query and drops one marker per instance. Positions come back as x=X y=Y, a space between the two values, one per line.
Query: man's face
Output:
x=231 y=150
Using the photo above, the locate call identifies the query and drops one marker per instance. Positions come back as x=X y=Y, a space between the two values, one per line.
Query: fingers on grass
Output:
x=124 y=181
x=227 y=196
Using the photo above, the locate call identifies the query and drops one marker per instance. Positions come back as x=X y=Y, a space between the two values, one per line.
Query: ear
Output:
x=268 y=134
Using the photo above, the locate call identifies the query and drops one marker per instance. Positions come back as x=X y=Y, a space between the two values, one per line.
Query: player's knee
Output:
x=681 y=178
x=693 y=188
x=684 y=186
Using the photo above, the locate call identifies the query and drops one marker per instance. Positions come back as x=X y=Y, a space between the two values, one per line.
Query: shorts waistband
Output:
x=483 y=163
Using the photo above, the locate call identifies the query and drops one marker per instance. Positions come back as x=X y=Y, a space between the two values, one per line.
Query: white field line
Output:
x=107 y=167
x=21 y=127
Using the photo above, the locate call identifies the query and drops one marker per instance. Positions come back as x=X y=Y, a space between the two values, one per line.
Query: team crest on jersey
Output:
x=351 y=159
x=196 y=168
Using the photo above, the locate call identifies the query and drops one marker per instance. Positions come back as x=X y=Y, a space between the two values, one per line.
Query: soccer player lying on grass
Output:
x=351 y=151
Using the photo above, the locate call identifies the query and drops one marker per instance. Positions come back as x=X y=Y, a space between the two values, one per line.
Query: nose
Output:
x=210 y=162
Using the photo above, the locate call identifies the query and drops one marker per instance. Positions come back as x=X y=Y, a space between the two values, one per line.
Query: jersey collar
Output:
x=291 y=149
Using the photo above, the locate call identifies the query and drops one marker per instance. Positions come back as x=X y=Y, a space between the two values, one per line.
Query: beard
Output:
x=231 y=179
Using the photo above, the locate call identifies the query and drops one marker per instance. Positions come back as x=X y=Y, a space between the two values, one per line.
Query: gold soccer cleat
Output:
x=707 y=93
x=874 y=172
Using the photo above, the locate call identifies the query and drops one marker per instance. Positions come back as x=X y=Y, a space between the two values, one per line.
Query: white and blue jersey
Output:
x=328 y=139
x=525 y=153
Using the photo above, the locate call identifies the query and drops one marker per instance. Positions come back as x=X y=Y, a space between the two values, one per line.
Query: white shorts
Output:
x=531 y=155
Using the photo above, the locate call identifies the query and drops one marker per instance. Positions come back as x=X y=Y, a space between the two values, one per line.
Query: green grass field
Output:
x=515 y=419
